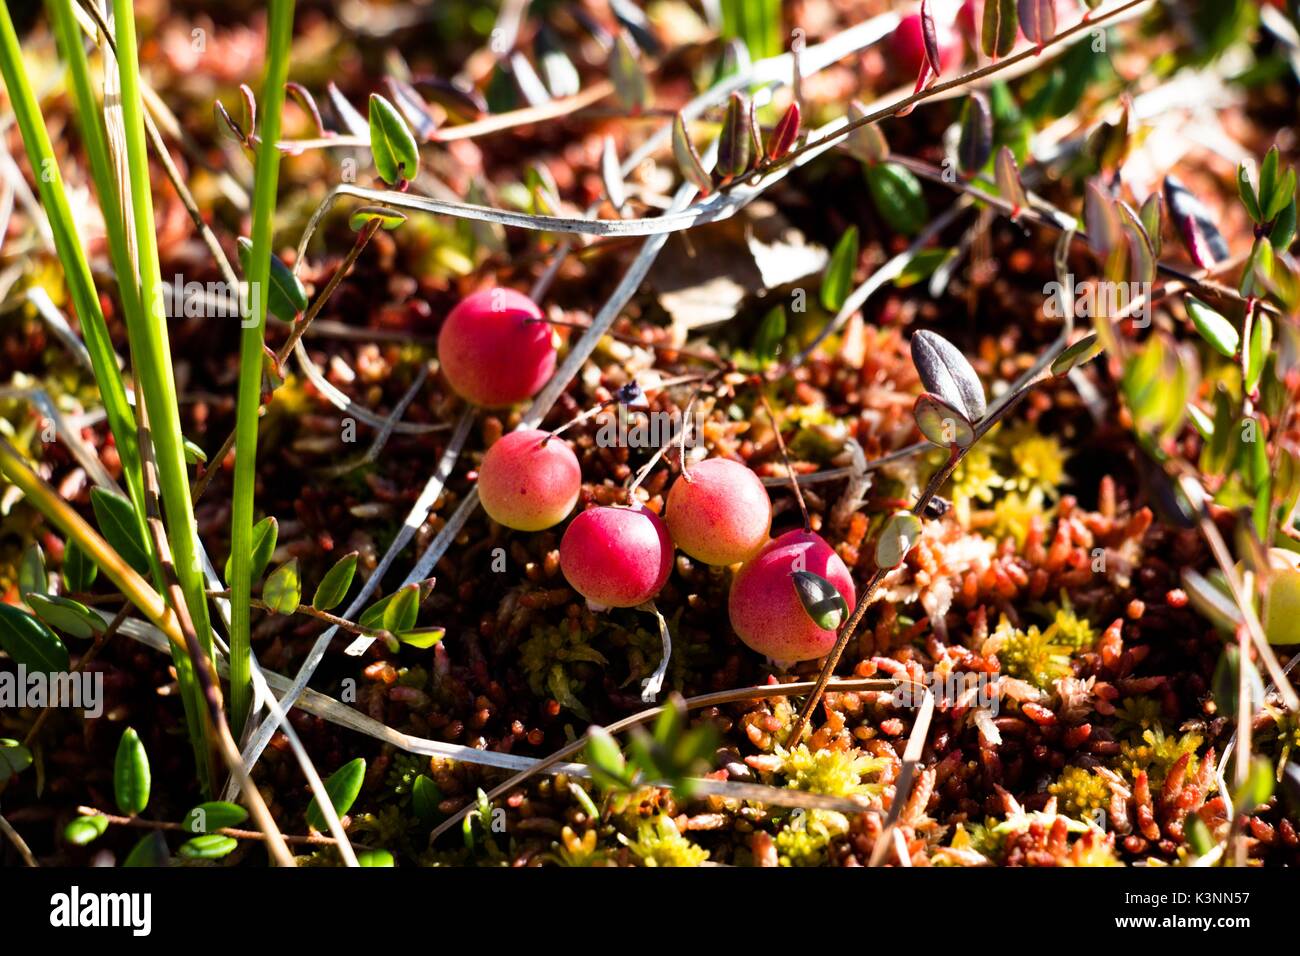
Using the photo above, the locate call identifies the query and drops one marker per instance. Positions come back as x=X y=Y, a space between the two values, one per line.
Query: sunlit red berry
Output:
x=529 y=481
x=616 y=557
x=490 y=351
x=765 y=608
x=719 y=512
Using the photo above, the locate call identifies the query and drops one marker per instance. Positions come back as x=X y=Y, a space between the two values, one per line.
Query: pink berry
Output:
x=719 y=512
x=907 y=48
x=529 y=481
x=616 y=557
x=765 y=608
x=490 y=351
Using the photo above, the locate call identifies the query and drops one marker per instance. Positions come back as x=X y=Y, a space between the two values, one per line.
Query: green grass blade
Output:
x=278 y=39
x=90 y=123
x=76 y=268
x=151 y=349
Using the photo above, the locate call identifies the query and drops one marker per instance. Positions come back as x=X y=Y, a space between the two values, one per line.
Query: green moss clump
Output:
x=659 y=843
x=1032 y=655
x=836 y=773
x=1079 y=792
x=1156 y=752
x=1073 y=631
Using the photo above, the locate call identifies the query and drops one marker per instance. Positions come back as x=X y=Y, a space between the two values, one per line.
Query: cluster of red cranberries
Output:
x=496 y=349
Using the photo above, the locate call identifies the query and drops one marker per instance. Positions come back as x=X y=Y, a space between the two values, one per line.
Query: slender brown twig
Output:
x=309 y=611
x=204 y=668
x=869 y=590
x=757 y=692
x=296 y=333
x=316 y=839
x=758 y=383
x=19 y=843
x=905 y=105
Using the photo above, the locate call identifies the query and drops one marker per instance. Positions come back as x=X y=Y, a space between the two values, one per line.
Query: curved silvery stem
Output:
x=354 y=409
x=418 y=514
x=342 y=715
x=772 y=71
x=652 y=685
x=1030 y=57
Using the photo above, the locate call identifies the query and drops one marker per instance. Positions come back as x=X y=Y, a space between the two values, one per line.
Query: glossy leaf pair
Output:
x=1266 y=199
x=953 y=400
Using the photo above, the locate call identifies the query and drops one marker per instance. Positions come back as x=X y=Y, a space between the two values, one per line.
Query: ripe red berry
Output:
x=719 y=512
x=907 y=47
x=616 y=557
x=765 y=608
x=529 y=481
x=490 y=351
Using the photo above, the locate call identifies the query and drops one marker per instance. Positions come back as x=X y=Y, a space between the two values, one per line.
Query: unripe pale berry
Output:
x=529 y=481
x=907 y=47
x=765 y=608
x=490 y=351
x=719 y=512
x=616 y=557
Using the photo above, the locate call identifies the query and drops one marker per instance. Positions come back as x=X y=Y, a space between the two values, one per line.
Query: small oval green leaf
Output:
x=31 y=643
x=211 y=846
x=14 y=758
x=397 y=157
x=422 y=637
x=32 y=576
x=342 y=786
x=117 y=523
x=899 y=535
x=282 y=591
x=998 y=33
x=150 y=851
x=838 y=280
x=83 y=830
x=402 y=611
x=287 y=295
x=942 y=424
x=131 y=777
x=1213 y=327
x=976 y=143
x=79 y=572
x=213 y=816
x=265 y=534
x=866 y=142
x=948 y=374
x=688 y=160
x=425 y=797
x=897 y=194
x=389 y=219
x=66 y=615
x=333 y=588
x=1247 y=191
x=1081 y=352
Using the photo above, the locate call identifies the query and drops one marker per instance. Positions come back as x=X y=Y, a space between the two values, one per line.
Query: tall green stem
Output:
x=89 y=120
x=279 y=35
x=76 y=268
x=151 y=348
